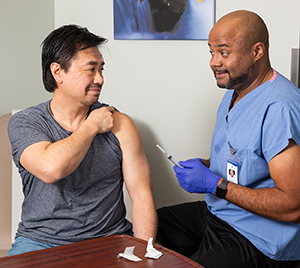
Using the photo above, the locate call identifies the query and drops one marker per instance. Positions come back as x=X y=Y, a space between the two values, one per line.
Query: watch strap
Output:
x=222 y=189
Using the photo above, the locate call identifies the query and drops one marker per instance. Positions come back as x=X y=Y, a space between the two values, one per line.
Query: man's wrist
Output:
x=221 y=190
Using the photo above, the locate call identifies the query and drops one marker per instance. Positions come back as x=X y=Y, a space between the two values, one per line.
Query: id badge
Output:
x=232 y=170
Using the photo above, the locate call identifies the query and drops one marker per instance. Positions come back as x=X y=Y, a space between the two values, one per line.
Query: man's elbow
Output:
x=50 y=175
x=293 y=217
x=296 y=218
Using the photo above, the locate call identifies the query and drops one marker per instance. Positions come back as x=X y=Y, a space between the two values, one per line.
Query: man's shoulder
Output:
x=37 y=109
x=284 y=92
x=30 y=113
x=124 y=127
x=284 y=84
x=123 y=119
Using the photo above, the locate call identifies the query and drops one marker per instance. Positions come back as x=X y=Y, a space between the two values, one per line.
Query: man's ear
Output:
x=259 y=50
x=56 y=71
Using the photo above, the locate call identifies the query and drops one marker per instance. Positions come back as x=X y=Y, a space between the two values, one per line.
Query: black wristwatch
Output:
x=222 y=189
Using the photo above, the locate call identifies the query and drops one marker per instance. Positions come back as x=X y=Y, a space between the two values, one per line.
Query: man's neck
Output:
x=264 y=76
x=69 y=117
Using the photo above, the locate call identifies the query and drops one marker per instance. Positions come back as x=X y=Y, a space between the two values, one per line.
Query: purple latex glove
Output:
x=194 y=177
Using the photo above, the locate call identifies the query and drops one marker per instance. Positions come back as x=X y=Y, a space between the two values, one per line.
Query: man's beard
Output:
x=237 y=80
x=88 y=101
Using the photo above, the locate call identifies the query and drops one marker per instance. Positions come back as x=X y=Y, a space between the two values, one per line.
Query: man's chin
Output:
x=221 y=82
x=90 y=101
x=221 y=85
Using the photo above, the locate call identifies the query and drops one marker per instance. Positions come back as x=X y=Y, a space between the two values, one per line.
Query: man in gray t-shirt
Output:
x=73 y=153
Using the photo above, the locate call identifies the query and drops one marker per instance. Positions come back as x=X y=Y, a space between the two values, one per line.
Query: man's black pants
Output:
x=195 y=232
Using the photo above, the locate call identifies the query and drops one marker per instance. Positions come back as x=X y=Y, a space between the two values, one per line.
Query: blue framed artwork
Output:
x=163 y=19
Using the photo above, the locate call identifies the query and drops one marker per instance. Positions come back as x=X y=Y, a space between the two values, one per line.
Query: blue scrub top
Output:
x=257 y=128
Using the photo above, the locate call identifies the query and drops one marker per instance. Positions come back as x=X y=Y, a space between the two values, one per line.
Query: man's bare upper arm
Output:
x=32 y=158
x=135 y=165
x=285 y=172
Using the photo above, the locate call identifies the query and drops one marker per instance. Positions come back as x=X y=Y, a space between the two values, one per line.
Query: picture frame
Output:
x=163 y=19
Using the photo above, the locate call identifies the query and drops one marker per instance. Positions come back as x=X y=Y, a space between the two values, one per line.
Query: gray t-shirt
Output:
x=86 y=204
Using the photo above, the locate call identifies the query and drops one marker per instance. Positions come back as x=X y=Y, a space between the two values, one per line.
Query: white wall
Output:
x=167 y=86
x=23 y=26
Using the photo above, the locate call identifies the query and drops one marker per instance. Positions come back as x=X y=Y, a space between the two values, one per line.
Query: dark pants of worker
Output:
x=195 y=232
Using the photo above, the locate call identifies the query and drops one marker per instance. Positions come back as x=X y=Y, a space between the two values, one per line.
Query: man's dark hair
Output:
x=61 y=45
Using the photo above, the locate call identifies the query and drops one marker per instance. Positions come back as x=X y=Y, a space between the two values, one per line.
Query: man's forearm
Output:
x=144 y=219
x=59 y=159
x=267 y=202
